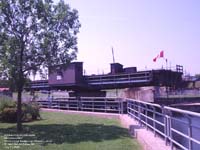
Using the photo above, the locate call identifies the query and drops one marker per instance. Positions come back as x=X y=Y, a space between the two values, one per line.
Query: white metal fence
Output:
x=94 y=104
x=179 y=128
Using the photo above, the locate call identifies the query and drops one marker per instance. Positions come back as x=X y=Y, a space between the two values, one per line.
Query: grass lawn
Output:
x=59 y=131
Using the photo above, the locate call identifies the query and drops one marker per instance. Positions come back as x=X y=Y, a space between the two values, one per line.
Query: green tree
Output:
x=35 y=34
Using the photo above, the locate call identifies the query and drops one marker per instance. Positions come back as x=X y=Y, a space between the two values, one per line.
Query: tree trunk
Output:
x=19 y=110
x=20 y=88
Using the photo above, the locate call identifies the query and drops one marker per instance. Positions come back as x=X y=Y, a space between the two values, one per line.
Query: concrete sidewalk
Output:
x=145 y=137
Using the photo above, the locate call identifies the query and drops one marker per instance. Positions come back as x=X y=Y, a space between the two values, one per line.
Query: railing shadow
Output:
x=68 y=133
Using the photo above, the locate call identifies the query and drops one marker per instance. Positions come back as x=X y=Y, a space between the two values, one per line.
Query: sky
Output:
x=138 y=30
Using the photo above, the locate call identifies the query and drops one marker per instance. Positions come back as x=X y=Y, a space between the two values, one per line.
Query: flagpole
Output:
x=113 y=55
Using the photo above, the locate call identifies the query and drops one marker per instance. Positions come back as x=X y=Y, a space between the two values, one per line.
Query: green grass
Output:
x=71 y=132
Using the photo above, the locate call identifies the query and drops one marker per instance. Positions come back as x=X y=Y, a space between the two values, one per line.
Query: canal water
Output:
x=183 y=127
x=180 y=123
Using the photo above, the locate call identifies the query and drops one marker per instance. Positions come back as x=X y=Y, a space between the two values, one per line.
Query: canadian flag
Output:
x=160 y=55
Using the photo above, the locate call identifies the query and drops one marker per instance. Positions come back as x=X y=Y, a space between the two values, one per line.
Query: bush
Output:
x=35 y=111
x=8 y=111
x=6 y=102
x=30 y=111
x=9 y=115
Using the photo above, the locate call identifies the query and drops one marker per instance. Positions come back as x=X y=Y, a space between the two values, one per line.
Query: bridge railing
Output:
x=120 y=78
x=93 y=104
x=176 y=126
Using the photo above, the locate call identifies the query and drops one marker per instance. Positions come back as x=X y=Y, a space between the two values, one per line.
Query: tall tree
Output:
x=35 y=34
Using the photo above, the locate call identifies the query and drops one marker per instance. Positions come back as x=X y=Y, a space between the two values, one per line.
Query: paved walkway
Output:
x=144 y=136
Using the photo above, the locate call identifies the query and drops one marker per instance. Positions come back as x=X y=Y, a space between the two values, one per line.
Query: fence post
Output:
x=79 y=103
x=58 y=104
x=165 y=128
x=146 y=114
x=139 y=114
x=154 y=123
x=128 y=106
x=170 y=131
x=50 y=101
x=93 y=105
x=166 y=124
x=105 y=102
x=189 y=133
x=122 y=106
x=136 y=114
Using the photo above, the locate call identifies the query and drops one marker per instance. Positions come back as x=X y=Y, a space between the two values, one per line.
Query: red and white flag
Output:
x=160 y=55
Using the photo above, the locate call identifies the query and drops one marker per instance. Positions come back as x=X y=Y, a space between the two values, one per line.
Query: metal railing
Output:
x=94 y=104
x=144 y=76
x=179 y=128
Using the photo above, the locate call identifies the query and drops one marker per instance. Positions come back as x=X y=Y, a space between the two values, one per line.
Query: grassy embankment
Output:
x=69 y=132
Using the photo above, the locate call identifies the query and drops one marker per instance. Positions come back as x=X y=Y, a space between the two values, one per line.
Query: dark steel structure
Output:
x=72 y=78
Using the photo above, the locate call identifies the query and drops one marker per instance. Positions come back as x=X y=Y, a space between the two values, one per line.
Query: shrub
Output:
x=9 y=115
x=6 y=102
x=35 y=110
x=8 y=111
x=30 y=111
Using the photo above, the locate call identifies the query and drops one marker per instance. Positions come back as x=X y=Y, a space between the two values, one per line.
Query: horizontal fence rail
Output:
x=94 y=104
x=179 y=128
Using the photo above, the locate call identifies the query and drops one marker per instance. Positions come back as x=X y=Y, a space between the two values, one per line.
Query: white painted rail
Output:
x=164 y=121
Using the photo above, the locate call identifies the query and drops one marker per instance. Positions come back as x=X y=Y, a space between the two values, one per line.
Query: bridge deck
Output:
x=111 y=81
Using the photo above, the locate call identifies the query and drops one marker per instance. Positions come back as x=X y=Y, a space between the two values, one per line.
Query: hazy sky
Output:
x=138 y=30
